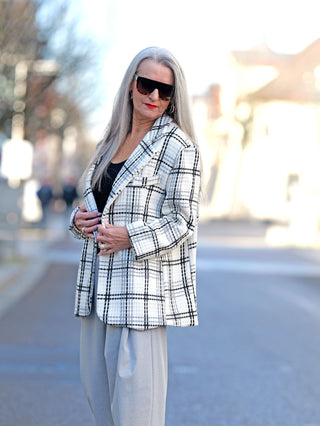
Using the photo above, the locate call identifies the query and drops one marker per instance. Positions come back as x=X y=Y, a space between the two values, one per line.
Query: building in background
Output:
x=262 y=154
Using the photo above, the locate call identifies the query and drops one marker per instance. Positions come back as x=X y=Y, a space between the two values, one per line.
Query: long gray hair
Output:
x=121 y=118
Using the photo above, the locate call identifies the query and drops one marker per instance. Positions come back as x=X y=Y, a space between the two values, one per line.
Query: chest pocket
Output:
x=145 y=181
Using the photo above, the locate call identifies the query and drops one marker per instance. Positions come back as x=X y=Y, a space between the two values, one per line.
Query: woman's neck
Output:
x=130 y=143
x=140 y=127
x=138 y=131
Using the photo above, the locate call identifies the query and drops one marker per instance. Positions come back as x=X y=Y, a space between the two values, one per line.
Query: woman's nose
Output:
x=154 y=95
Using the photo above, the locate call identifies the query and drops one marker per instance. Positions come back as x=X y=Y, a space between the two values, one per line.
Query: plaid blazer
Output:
x=156 y=196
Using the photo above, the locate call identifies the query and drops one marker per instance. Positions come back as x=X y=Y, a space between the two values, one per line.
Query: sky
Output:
x=200 y=33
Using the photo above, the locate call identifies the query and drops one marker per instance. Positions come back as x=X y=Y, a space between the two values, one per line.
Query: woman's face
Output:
x=150 y=107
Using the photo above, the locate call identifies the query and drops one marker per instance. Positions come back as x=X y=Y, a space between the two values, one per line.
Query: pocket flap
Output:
x=145 y=180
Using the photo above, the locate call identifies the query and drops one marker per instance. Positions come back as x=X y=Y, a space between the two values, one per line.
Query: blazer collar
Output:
x=140 y=156
x=146 y=149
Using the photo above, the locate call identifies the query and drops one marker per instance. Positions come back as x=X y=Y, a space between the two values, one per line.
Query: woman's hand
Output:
x=87 y=222
x=112 y=238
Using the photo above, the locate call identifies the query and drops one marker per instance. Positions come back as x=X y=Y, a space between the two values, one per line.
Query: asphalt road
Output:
x=253 y=361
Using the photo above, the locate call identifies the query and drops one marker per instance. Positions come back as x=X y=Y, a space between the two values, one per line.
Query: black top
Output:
x=108 y=178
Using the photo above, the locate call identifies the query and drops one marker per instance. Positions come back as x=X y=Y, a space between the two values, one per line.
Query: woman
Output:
x=138 y=223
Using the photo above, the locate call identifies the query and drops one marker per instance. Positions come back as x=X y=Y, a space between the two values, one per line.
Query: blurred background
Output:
x=253 y=70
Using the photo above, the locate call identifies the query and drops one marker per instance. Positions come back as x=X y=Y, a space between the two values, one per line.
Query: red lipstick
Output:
x=151 y=106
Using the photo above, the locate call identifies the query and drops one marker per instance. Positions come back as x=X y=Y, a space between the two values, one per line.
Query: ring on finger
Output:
x=102 y=246
x=83 y=229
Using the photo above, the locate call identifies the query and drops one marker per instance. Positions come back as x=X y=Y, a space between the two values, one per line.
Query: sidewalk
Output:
x=235 y=233
x=22 y=270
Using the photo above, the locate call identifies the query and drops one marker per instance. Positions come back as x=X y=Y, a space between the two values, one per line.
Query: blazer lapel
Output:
x=146 y=149
x=89 y=200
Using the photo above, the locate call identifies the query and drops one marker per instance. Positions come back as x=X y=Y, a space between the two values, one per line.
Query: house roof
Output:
x=296 y=80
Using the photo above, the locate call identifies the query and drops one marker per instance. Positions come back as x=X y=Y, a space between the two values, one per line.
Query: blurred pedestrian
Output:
x=45 y=196
x=139 y=226
x=69 y=194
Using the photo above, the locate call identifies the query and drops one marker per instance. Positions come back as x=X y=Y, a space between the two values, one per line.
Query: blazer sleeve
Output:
x=180 y=210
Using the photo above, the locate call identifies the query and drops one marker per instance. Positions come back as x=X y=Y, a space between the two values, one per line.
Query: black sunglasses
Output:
x=145 y=86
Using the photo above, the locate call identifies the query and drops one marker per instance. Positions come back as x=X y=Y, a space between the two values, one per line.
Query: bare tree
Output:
x=18 y=42
x=76 y=53
x=38 y=30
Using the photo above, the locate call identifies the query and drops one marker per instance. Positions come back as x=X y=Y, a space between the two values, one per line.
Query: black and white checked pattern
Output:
x=156 y=196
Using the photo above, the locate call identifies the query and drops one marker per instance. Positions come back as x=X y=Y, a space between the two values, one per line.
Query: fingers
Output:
x=102 y=236
x=106 y=251
x=105 y=233
x=112 y=238
x=87 y=222
x=90 y=223
x=83 y=214
x=102 y=229
x=89 y=230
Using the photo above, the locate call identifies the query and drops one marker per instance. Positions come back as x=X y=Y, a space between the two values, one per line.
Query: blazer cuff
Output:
x=72 y=227
x=145 y=242
x=135 y=241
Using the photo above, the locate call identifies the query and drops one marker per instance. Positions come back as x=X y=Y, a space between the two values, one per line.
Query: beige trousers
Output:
x=124 y=373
